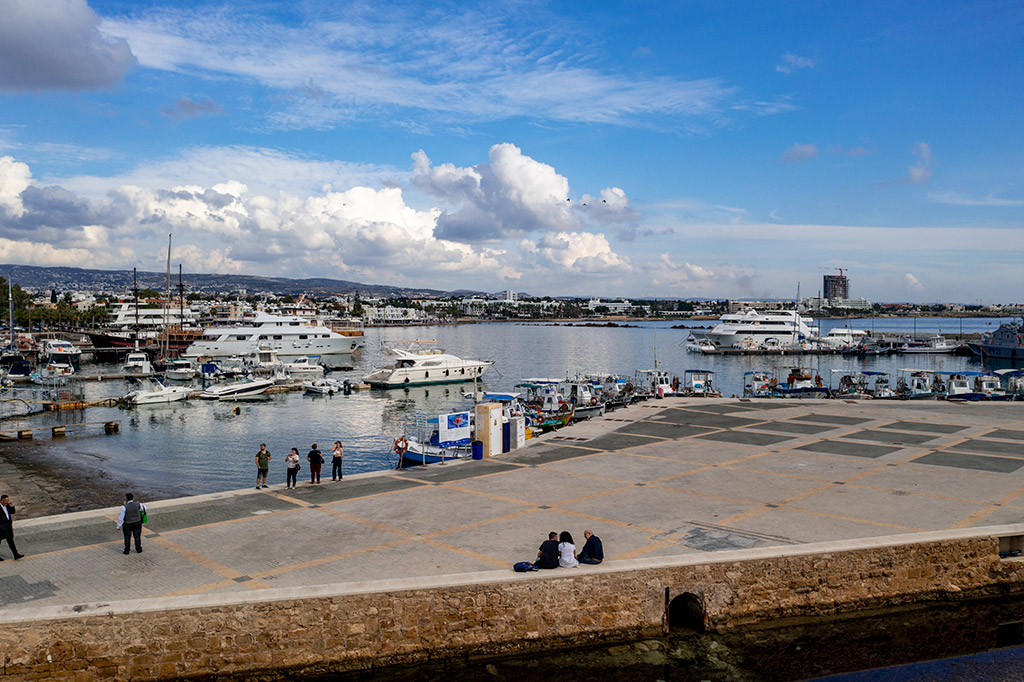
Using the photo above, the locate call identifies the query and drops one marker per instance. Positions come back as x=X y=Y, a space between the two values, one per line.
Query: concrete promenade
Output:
x=659 y=479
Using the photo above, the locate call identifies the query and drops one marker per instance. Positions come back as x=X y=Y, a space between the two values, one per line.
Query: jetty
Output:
x=714 y=513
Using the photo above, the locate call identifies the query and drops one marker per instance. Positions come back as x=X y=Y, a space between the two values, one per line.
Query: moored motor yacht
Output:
x=60 y=351
x=245 y=387
x=179 y=370
x=417 y=364
x=153 y=392
x=137 y=364
x=760 y=329
x=289 y=336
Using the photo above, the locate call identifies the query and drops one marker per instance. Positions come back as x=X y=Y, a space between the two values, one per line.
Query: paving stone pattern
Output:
x=671 y=477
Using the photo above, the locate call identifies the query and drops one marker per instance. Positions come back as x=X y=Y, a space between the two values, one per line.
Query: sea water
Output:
x=199 y=446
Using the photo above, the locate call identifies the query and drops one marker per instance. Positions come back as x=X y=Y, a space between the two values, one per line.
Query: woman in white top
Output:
x=567 y=551
x=292 y=461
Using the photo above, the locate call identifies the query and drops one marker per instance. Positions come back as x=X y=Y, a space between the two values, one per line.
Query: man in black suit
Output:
x=7 y=525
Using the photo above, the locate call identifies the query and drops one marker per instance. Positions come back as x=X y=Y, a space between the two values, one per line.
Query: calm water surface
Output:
x=201 y=446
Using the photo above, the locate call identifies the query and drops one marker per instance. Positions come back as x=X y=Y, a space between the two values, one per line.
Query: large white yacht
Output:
x=768 y=328
x=290 y=337
x=417 y=364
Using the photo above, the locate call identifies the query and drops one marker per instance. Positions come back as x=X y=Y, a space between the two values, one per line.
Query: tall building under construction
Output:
x=836 y=286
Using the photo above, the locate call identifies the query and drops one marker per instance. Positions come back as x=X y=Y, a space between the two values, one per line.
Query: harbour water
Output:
x=201 y=447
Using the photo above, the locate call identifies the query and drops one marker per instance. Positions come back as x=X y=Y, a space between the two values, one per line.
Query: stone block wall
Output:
x=274 y=633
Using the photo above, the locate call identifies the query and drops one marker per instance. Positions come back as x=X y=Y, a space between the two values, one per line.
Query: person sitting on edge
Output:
x=547 y=554
x=593 y=550
x=567 y=551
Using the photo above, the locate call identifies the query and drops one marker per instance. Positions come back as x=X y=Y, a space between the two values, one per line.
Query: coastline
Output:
x=40 y=488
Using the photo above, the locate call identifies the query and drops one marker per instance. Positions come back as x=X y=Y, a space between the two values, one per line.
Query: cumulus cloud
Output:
x=511 y=195
x=186 y=108
x=57 y=44
x=912 y=283
x=799 y=152
x=356 y=233
x=791 y=62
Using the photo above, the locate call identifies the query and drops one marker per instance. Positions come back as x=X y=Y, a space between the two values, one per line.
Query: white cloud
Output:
x=15 y=177
x=791 y=62
x=921 y=171
x=799 y=152
x=958 y=199
x=457 y=67
x=56 y=44
x=912 y=283
x=581 y=252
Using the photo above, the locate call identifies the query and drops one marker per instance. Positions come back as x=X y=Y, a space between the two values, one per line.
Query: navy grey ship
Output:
x=1006 y=343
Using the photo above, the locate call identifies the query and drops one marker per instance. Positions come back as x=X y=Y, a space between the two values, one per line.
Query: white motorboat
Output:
x=842 y=338
x=322 y=386
x=289 y=336
x=246 y=387
x=417 y=364
x=304 y=367
x=758 y=329
x=179 y=370
x=153 y=393
x=60 y=351
x=136 y=364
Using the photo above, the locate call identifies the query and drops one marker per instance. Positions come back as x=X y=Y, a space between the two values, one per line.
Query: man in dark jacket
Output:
x=130 y=523
x=593 y=550
x=547 y=553
x=7 y=525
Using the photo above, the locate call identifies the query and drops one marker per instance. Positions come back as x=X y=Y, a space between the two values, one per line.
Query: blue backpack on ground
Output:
x=523 y=567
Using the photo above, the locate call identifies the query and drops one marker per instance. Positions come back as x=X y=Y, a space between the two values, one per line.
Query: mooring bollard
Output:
x=25 y=434
x=111 y=427
x=58 y=432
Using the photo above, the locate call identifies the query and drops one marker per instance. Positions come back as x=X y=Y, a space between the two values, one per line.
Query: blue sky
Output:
x=613 y=149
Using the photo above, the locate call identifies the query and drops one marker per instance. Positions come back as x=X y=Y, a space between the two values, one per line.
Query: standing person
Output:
x=547 y=553
x=130 y=523
x=263 y=458
x=593 y=550
x=316 y=460
x=567 y=551
x=7 y=525
x=337 y=454
x=291 y=461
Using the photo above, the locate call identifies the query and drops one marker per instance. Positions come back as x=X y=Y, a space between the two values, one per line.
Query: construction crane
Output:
x=841 y=270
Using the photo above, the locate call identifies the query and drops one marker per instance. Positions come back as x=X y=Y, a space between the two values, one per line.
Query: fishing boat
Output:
x=546 y=409
x=853 y=385
x=698 y=383
x=137 y=364
x=868 y=347
x=416 y=363
x=152 y=392
x=801 y=383
x=959 y=386
x=758 y=384
x=1014 y=382
x=920 y=384
x=245 y=387
x=991 y=387
x=179 y=370
x=929 y=345
x=656 y=382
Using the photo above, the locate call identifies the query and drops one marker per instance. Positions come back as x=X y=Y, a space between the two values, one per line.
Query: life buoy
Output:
x=401 y=445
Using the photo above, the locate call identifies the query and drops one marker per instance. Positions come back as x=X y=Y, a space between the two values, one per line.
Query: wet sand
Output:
x=42 y=489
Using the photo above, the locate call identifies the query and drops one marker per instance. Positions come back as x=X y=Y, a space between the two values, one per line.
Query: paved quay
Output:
x=662 y=478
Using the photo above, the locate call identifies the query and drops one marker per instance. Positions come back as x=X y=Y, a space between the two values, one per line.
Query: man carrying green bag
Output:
x=133 y=515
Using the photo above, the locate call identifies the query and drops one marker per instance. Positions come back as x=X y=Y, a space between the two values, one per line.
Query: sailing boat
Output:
x=656 y=382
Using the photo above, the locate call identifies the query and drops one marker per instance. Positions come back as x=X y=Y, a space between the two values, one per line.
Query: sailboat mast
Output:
x=10 y=307
x=167 y=303
x=135 y=294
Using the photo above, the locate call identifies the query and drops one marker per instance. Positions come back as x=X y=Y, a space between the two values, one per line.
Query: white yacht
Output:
x=416 y=365
x=290 y=337
x=59 y=350
x=762 y=328
x=137 y=364
x=843 y=337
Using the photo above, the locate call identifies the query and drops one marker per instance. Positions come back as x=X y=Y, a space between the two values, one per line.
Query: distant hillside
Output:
x=120 y=282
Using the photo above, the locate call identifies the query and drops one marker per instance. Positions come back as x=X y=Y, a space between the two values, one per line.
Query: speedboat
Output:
x=61 y=351
x=179 y=370
x=246 y=387
x=137 y=363
x=418 y=365
x=153 y=392
x=325 y=386
x=304 y=367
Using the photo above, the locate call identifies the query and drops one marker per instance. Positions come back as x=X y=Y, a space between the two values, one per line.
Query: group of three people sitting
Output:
x=559 y=550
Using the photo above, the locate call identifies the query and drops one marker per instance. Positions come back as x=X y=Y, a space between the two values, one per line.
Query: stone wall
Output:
x=272 y=633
